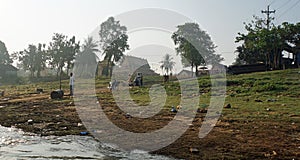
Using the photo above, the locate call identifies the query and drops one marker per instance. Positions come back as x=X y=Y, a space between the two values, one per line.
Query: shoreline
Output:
x=229 y=139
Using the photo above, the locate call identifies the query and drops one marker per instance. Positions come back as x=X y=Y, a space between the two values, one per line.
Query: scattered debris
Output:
x=173 y=109
x=30 y=121
x=84 y=133
x=178 y=107
x=79 y=124
x=39 y=90
x=258 y=100
x=194 y=150
x=201 y=110
x=271 y=100
x=6 y=99
x=64 y=128
x=228 y=106
x=127 y=115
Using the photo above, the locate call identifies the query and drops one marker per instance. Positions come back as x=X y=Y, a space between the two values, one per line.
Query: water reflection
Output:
x=15 y=144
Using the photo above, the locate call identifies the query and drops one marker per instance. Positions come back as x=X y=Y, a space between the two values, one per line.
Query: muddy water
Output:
x=15 y=144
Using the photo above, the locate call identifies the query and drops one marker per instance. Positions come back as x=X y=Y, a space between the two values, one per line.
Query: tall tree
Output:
x=62 y=51
x=86 y=58
x=195 y=46
x=167 y=63
x=262 y=44
x=113 y=41
x=28 y=58
x=4 y=56
x=40 y=59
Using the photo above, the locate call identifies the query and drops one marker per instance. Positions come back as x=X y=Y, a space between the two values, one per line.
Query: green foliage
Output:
x=62 y=51
x=113 y=41
x=4 y=56
x=195 y=46
x=33 y=59
x=265 y=45
x=167 y=63
x=86 y=59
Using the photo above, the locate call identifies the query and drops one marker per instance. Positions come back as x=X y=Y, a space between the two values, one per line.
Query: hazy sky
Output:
x=24 y=22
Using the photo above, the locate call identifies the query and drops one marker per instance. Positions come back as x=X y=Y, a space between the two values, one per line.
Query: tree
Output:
x=4 y=56
x=195 y=46
x=291 y=34
x=113 y=41
x=86 y=58
x=27 y=59
x=261 y=44
x=167 y=63
x=62 y=52
x=40 y=59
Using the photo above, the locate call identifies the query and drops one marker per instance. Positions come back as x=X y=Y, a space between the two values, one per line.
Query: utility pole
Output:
x=268 y=12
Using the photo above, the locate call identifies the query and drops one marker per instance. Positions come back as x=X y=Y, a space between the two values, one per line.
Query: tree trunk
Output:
x=197 y=71
x=38 y=74
x=111 y=69
x=107 y=68
x=192 y=69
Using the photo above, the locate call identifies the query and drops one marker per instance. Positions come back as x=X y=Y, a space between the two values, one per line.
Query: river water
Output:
x=16 y=144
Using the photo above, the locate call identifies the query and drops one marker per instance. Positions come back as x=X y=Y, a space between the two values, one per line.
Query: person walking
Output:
x=71 y=84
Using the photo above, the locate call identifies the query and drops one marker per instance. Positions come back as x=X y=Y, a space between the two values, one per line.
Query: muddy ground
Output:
x=238 y=138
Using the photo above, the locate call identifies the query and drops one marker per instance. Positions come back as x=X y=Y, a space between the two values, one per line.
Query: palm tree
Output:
x=87 y=58
x=167 y=63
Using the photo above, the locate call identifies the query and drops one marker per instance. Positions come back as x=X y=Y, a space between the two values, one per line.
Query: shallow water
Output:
x=15 y=144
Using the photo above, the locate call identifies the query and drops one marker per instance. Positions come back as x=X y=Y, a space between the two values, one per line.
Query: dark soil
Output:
x=230 y=138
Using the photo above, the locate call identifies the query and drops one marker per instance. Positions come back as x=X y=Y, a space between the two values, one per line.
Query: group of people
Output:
x=138 y=81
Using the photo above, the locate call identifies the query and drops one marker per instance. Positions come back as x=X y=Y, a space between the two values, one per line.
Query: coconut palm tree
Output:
x=167 y=63
x=87 y=58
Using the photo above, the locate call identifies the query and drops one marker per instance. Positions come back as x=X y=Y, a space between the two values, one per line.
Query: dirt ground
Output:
x=230 y=138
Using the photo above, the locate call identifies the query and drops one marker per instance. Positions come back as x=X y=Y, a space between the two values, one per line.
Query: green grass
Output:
x=242 y=91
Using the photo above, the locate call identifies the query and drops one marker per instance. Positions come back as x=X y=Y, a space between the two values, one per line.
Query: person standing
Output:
x=71 y=84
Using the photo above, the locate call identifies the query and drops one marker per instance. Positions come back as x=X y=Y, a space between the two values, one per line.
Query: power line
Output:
x=283 y=4
x=272 y=2
x=290 y=8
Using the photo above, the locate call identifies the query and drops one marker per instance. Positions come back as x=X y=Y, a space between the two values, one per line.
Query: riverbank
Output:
x=262 y=122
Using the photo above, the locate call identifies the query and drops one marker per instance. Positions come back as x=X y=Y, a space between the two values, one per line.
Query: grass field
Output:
x=263 y=121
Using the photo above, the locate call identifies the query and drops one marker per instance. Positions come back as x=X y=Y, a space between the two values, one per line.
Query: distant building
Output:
x=8 y=73
x=128 y=65
x=185 y=74
x=218 y=68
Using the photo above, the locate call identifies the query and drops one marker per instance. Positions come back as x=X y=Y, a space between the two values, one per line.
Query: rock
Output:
x=194 y=150
x=268 y=109
x=228 y=106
